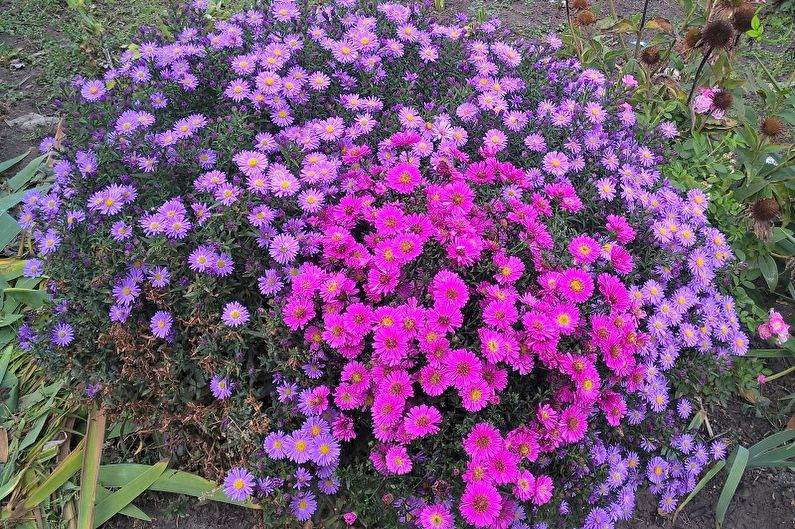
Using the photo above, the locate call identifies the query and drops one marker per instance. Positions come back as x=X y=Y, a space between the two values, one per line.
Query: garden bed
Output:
x=764 y=499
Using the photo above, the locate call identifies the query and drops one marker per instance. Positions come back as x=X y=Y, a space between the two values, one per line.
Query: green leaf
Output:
x=4 y=361
x=9 y=486
x=89 y=475
x=31 y=297
x=25 y=175
x=174 y=481
x=700 y=485
x=9 y=229
x=742 y=193
x=770 y=442
x=769 y=353
x=114 y=503
x=769 y=269
x=65 y=470
x=736 y=469
x=8 y=164
x=130 y=510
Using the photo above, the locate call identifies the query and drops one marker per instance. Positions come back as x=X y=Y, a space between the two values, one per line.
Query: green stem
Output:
x=780 y=374
x=640 y=28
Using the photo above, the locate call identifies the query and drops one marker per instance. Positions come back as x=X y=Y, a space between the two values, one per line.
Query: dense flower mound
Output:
x=417 y=258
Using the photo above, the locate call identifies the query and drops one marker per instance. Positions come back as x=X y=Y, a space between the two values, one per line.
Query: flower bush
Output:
x=422 y=265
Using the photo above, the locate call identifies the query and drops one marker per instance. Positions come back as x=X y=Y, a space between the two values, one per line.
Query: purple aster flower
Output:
x=283 y=248
x=159 y=276
x=325 y=450
x=329 y=485
x=161 y=323
x=126 y=291
x=120 y=231
x=33 y=268
x=299 y=447
x=287 y=392
x=201 y=259
x=93 y=90
x=119 y=313
x=220 y=387
x=235 y=314
x=275 y=445
x=92 y=390
x=303 y=478
x=239 y=484
x=62 y=335
x=303 y=506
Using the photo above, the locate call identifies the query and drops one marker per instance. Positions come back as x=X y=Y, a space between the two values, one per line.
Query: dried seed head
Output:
x=722 y=100
x=765 y=210
x=731 y=4
x=742 y=17
x=579 y=4
x=650 y=55
x=692 y=37
x=718 y=34
x=772 y=127
x=585 y=18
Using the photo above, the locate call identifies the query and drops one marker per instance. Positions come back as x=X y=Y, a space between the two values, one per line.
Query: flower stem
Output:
x=780 y=374
x=698 y=74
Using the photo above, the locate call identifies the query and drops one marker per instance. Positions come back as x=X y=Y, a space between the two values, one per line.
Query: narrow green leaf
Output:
x=114 y=503
x=4 y=360
x=24 y=176
x=782 y=455
x=7 y=488
x=130 y=510
x=770 y=442
x=89 y=474
x=769 y=353
x=735 y=474
x=65 y=470
x=8 y=164
x=700 y=485
x=174 y=481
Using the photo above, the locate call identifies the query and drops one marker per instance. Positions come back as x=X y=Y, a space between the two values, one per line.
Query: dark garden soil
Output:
x=764 y=500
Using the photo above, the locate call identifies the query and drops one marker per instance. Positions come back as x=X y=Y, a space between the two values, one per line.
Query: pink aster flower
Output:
x=480 y=504
x=398 y=460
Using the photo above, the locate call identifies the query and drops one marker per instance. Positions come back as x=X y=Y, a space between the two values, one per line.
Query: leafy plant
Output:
x=775 y=451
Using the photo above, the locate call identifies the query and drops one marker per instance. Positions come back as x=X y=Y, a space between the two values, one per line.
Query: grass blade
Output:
x=89 y=474
x=736 y=471
x=118 y=500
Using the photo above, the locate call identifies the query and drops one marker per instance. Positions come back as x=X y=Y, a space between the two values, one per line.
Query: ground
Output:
x=44 y=42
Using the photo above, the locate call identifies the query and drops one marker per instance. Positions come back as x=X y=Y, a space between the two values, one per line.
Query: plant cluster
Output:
x=411 y=259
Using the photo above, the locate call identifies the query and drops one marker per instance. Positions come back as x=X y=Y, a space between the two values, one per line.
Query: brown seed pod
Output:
x=718 y=34
x=765 y=210
x=579 y=4
x=692 y=37
x=722 y=100
x=585 y=18
x=762 y=213
x=742 y=17
x=650 y=55
x=731 y=4
x=772 y=127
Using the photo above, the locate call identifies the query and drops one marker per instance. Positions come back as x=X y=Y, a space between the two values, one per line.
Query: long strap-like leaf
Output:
x=89 y=476
x=116 y=502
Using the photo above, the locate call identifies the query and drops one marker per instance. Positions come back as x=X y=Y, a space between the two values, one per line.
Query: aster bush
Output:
x=385 y=260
